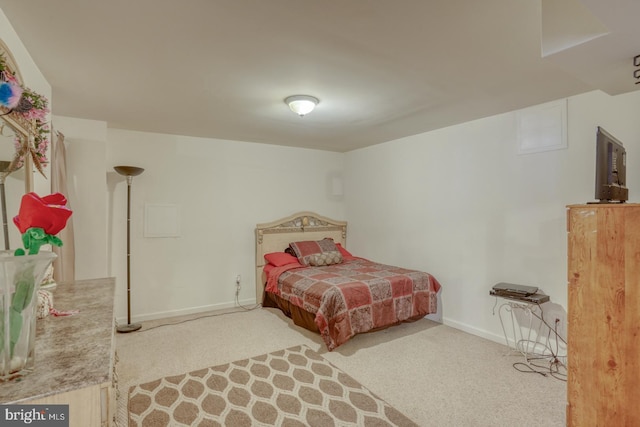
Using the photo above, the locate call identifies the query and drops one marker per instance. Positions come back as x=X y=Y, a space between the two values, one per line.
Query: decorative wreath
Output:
x=30 y=106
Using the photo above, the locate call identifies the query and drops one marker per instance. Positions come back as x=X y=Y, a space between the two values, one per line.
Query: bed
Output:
x=303 y=268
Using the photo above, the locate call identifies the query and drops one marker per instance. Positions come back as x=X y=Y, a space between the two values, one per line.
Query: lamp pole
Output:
x=129 y=172
x=3 y=175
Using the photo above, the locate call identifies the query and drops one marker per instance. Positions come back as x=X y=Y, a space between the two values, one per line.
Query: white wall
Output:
x=222 y=190
x=462 y=204
x=85 y=143
x=458 y=202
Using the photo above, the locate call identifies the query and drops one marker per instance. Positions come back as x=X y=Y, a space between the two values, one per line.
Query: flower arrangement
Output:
x=31 y=106
x=38 y=219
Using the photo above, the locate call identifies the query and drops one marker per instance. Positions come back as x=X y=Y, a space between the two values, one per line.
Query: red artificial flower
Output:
x=48 y=212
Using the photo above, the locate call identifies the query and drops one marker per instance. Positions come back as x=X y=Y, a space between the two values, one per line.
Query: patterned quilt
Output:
x=355 y=296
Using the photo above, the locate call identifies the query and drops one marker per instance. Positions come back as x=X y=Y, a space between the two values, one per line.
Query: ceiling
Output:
x=382 y=69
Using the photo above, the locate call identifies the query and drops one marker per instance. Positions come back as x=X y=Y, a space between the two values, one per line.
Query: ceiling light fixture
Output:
x=301 y=104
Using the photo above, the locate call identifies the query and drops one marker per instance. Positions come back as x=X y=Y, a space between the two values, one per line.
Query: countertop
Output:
x=71 y=352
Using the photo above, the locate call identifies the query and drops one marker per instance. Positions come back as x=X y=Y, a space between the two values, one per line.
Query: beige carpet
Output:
x=434 y=374
x=291 y=387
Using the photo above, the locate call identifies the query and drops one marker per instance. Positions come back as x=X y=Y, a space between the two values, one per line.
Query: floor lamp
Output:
x=129 y=172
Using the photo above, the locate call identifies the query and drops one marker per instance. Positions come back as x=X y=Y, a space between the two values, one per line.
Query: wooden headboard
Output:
x=275 y=237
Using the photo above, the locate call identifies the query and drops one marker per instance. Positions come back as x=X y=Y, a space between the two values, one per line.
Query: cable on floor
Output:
x=244 y=309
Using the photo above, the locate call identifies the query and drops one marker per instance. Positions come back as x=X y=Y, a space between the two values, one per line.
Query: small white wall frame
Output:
x=161 y=220
x=542 y=128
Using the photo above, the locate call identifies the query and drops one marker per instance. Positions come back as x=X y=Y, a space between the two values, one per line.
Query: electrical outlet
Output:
x=238 y=286
x=560 y=325
x=555 y=317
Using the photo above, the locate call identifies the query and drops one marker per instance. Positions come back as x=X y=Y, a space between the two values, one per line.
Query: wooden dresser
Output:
x=603 y=385
x=74 y=356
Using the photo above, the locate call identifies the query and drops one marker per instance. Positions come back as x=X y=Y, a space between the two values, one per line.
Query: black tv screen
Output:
x=611 y=169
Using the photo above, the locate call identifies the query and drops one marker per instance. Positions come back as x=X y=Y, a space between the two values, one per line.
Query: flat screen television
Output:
x=611 y=169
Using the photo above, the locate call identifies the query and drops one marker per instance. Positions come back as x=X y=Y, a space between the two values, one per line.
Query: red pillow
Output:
x=280 y=258
x=343 y=251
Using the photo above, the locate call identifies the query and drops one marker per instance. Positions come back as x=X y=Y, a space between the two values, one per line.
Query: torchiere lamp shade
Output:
x=128 y=170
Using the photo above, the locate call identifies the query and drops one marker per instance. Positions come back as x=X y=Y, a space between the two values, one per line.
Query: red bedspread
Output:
x=355 y=296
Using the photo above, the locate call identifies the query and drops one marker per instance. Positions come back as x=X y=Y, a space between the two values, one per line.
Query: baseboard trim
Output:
x=474 y=331
x=251 y=302
x=191 y=310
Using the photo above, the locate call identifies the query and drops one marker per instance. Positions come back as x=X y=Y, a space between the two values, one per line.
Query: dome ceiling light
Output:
x=301 y=104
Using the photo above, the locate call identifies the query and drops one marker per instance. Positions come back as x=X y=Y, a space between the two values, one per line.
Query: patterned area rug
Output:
x=291 y=387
